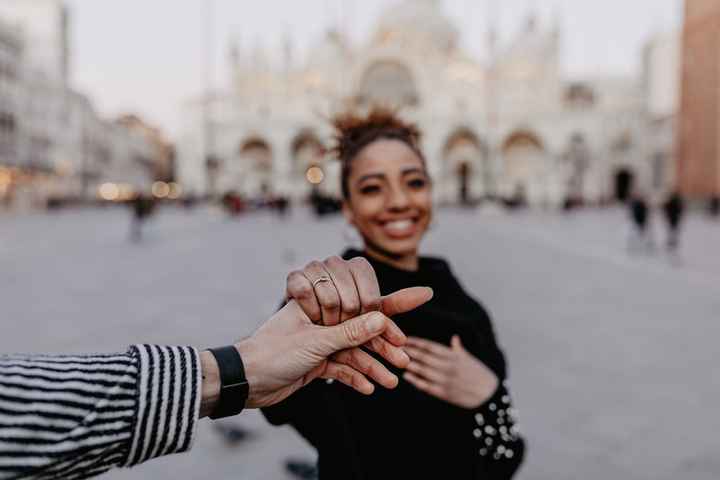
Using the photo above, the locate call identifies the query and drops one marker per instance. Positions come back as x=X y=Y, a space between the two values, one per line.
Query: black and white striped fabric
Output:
x=75 y=417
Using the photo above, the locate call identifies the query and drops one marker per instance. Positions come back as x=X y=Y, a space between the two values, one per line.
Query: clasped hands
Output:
x=336 y=290
x=334 y=310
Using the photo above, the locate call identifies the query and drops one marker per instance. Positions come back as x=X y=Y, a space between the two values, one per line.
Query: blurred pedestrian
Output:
x=674 y=209
x=714 y=207
x=640 y=237
x=142 y=207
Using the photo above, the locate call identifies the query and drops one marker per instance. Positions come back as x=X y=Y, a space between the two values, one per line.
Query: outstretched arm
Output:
x=83 y=415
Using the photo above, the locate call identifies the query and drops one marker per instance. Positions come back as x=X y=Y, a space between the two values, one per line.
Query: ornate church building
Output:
x=510 y=127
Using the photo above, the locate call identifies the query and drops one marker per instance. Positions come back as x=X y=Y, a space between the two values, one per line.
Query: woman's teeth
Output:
x=399 y=226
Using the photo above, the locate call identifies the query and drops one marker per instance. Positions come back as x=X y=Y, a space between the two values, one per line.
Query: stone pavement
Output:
x=613 y=358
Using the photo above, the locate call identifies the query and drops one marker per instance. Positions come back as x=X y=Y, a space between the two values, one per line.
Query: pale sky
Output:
x=148 y=56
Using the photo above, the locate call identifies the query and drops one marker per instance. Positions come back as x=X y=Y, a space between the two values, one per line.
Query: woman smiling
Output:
x=452 y=407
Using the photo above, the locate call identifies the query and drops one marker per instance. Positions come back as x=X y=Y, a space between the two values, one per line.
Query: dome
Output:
x=418 y=19
x=534 y=42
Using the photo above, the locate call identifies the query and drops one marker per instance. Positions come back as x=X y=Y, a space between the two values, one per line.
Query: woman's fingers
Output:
x=424 y=385
x=366 y=282
x=349 y=376
x=428 y=373
x=405 y=300
x=368 y=366
x=300 y=289
x=342 y=278
x=421 y=356
x=325 y=291
x=428 y=346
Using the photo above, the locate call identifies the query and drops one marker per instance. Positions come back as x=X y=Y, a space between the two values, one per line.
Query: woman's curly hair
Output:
x=354 y=132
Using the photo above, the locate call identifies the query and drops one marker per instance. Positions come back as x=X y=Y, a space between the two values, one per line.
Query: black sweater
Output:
x=405 y=433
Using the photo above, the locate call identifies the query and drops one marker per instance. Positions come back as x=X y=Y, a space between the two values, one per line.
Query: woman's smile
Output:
x=399 y=228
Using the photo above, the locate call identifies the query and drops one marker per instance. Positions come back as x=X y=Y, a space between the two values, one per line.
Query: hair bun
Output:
x=354 y=131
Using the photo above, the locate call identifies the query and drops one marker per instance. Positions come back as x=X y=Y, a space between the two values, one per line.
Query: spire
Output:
x=234 y=53
x=532 y=22
x=288 y=51
x=259 y=58
x=557 y=21
x=492 y=16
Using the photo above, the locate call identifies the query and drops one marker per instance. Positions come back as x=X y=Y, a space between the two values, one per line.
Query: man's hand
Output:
x=289 y=351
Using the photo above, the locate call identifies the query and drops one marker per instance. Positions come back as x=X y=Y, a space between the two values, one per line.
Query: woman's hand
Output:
x=451 y=374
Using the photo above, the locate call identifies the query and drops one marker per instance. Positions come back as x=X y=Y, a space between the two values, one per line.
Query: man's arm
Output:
x=79 y=416
x=62 y=416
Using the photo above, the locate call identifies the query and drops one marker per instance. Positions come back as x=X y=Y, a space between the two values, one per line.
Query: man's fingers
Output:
x=366 y=283
x=425 y=386
x=300 y=289
x=394 y=335
x=349 y=376
x=367 y=365
x=405 y=300
x=353 y=333
x=392 y=353
x=339 y=272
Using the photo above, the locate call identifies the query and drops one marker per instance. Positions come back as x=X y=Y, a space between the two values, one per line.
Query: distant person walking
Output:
x=674 y=208
x=640 y=239
x=142 y=207
x=714 y=207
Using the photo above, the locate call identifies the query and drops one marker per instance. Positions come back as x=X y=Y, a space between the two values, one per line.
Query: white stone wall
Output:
x=522 y=94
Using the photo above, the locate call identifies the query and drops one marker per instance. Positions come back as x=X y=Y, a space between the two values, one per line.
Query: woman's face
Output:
x=390 y=201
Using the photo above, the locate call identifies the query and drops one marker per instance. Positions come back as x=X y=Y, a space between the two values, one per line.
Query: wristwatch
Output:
x=234 y=387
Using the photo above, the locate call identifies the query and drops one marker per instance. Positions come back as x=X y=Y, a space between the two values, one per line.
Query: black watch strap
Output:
x=234 y=388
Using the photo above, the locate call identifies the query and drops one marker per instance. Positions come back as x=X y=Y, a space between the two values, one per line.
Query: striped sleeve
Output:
x=78 y=416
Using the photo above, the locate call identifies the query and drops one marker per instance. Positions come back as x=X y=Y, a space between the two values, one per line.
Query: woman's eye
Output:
x=369 y=189
x=417 y=183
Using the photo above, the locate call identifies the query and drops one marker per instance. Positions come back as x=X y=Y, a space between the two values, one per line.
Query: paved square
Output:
x=614 y=359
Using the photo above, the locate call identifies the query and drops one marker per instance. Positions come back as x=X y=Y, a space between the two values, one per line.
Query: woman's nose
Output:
x=398 y=199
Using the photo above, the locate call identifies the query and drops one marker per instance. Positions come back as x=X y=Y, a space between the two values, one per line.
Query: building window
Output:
x=579 y=95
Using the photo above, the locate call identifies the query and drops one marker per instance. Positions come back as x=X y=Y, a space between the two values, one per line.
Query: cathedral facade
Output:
x=508 y=127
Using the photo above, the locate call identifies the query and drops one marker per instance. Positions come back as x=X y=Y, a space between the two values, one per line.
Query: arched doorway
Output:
x=388 y=83
x=624 y=180
x=523 y=166
x=256 y=158
x=465 y=169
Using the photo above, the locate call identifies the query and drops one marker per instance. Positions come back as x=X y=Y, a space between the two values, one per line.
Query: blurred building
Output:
x=53 y=143
x=699 y=132
x=512 y=126
x=10 y=71
x=45 y=27
x=162 y=161
x=662 y=71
